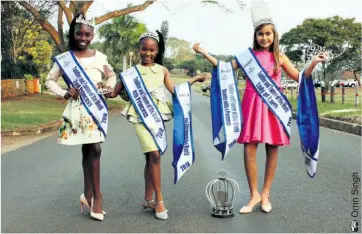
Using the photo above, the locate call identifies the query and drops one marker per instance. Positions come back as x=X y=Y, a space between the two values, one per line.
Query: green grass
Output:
x=37 y=110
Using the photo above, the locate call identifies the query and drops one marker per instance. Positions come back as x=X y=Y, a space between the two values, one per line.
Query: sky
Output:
x=223 y=32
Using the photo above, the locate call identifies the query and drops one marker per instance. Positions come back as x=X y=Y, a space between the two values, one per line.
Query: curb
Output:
x=32 y=131
x=39 y=130
x=351 y=128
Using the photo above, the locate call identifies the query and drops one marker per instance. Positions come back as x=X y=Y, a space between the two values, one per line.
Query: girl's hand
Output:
x=322 y=57
x=72 y=92
x=198 y=49
x=200 y=78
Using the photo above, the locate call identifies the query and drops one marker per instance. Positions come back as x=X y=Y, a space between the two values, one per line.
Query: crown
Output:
x=151 y=35
x=81 y=20
x=260 y=13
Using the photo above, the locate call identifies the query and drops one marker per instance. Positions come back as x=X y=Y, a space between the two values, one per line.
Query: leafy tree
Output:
x=121 y=37
x=179 y=49
x=342 y=37
x=164 y=30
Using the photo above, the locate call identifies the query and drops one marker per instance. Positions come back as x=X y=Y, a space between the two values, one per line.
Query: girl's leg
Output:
x=148 y=181
x=95 y=155
x=155 y=172
x=251 y=172
x=270 y=167
x=88 y=188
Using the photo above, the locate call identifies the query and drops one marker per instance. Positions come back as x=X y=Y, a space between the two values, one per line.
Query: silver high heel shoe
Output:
x=83 y=202
x=146 y=205
x=97 y=216
x=163 y=214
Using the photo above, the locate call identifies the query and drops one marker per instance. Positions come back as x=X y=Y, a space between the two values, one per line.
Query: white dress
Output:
x=77 y=126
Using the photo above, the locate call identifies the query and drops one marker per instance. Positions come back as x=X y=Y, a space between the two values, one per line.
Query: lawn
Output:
x=36 y=110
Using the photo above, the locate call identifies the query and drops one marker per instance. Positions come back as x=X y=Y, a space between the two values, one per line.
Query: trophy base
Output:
x=223 y=213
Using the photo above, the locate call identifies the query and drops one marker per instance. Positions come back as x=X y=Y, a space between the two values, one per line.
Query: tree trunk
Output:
x=74 y=8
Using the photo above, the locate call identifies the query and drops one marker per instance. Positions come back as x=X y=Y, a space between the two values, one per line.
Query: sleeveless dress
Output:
x=153 y=78
x=77 y=126
x=260 y=125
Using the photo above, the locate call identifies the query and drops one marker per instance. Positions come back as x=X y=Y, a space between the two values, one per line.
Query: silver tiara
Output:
x=153 y=35
x=82 y=20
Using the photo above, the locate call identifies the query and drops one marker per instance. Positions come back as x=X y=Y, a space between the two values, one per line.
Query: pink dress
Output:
x=259 y=124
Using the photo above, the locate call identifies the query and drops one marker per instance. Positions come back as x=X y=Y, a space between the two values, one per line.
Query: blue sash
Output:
x=145 y=107
x=308 y=123
x=76 y=77
x=225 y=108
x=183 y=144
x=266 y=88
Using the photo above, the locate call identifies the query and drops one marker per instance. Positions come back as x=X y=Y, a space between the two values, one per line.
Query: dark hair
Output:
x=161 y=48
x=71 y=40
x=274 y=48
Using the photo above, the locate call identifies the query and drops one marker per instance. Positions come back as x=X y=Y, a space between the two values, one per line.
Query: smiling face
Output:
x=148 y=51
x=83 y=36
x=265 y=36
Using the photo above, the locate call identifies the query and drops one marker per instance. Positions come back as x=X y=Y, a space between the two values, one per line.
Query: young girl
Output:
x=260 y=125
x=78 y=127
x=155 y=77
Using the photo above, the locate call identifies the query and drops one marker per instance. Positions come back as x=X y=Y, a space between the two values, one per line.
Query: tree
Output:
x=180 y=49
x=25 y=46
x=121 y=37
x=70 y=9
x=164 y=30
x=342 y=37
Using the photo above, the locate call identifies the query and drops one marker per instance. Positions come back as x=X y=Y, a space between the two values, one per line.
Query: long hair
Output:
x=161 y=49
x=71 y=40
x=274 y=48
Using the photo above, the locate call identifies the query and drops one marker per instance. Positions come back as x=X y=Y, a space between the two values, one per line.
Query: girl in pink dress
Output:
x=260 y=125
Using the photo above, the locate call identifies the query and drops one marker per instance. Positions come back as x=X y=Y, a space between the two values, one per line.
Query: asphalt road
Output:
x=41 y=184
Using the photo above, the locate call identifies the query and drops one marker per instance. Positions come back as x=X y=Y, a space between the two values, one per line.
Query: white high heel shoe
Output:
x=83 y=202
x=248 y=209
x=266 y=207
x=163 y=214
x=97 y=216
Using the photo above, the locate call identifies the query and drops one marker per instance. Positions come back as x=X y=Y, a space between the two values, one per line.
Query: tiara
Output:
x=263 y=21
x=82 y=20
x=151 y=35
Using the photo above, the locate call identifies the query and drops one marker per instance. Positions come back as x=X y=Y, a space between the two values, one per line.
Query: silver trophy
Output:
x=221 y=192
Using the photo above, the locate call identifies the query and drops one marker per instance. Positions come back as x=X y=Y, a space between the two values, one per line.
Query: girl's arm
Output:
x=170 y=85
x=116 y=90
x=293 y=73
x=198 y=49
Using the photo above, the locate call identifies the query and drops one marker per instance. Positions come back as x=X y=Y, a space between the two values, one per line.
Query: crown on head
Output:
x=153 y=35
x=82 y=20
x=260 y=13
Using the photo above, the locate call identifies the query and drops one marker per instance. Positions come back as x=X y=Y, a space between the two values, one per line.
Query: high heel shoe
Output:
x=248 y=209
x=83 y=202
x=97 y=216
x=146 y=205
x=266 y=207
x=163 y=214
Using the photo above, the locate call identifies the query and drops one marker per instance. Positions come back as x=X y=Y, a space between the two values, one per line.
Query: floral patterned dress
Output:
x=77 y=126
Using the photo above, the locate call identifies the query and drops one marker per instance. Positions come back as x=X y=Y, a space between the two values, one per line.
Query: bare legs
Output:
x=153 y=179
x=251 y=170
x=91 y=171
